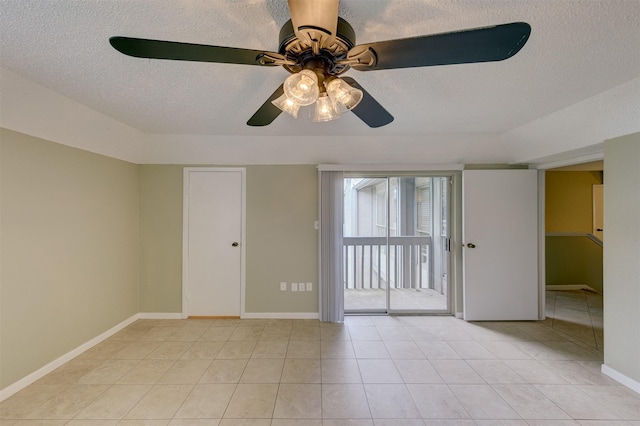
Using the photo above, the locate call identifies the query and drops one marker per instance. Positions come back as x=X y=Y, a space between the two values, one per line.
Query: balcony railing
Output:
x=400 y=262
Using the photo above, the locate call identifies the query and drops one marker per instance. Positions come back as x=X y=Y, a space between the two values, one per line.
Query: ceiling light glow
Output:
x=343 y=94
x=287 y=105
x=302 y=87
x=325 y=109
x=331 y=98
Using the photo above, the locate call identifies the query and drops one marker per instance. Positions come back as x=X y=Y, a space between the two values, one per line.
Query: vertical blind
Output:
x=423 y=188
x=331 y=269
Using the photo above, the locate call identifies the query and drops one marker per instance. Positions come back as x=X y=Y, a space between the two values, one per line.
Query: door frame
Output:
x=185 y=231
x=454 y=271
x=542 y=198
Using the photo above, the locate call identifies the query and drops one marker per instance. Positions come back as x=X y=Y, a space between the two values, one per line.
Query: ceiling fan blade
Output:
x=475 y=45
x=369 y=110
x=268 y=111
x=315 y=20
x=159 y=49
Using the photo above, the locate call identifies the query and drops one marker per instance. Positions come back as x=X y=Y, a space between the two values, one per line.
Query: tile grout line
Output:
x=538 y=338
x=593 y=328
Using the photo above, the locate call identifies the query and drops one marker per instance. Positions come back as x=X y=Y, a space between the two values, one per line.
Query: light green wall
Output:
x=568 y=203
x=622 y=256
x=160 y=238
x=573 y=260
x=281 y=242
x=69 y=250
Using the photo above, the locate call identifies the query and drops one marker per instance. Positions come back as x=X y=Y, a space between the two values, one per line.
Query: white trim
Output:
x=160 y=315
x=567 y=234
x=280 y=315
x=542 y=265
x=632 y=384
x=185 y=231
x=589 y=235
x=185 y=237
x=48 y=368
x=389 y=167
x=594 y=210
x=561 y=287
x=319 y=288
x=571 y=161
x=460 y=315
x=243 y=242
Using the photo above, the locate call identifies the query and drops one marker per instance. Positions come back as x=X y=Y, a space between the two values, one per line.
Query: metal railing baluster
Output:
x=404 y=255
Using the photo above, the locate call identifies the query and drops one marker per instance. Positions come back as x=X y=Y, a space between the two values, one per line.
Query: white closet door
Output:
x=213 y=249
x=500 y=233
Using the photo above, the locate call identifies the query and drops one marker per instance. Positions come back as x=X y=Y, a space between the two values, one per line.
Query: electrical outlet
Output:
x=283 y=286
x=294 y=286
x=301 y=287
x=309 y=286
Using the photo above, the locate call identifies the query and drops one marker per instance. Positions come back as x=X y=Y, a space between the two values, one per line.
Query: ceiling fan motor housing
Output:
x=327 y=58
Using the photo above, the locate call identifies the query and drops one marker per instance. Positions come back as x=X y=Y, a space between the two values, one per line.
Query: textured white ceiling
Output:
x=577 y=50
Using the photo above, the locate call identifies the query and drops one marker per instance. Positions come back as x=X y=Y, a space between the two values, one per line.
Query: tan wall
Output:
x=622 y=256
x=282 y=244
x=69 y=250
x=568 y=204
x=160 y=238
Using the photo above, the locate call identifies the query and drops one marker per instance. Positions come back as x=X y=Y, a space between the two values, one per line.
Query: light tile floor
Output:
x=370 y=371
x=401 y=299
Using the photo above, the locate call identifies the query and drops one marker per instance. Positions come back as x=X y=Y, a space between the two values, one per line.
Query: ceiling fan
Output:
x=317 y=46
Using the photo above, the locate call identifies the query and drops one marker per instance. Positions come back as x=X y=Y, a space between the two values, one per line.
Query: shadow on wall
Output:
x=573 y=260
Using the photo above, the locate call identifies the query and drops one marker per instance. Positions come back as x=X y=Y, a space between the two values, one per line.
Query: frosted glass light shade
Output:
x=325 y=109
x=345 y=95
x=302 y=87
x=287 y=105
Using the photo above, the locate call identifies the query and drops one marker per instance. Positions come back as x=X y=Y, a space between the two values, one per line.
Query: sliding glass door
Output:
x=395 y=244
x=365 y=244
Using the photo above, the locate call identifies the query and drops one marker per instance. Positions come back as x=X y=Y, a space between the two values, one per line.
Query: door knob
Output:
x=235 y=244
x=471 y=245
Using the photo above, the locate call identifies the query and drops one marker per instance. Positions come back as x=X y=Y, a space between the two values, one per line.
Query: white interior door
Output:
x=213 y=242
x=500 y=233
x=598 y=211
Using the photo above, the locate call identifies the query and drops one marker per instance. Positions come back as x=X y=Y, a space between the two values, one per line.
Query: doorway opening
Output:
x=396 y=244
x=574 y=249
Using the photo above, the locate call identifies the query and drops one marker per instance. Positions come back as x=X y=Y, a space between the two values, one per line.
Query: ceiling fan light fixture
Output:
x=287 y=105
x=326 y=109
x=343 y=94
x=302 y=87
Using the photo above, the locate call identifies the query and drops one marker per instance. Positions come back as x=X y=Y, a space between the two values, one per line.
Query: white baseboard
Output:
x=43 y=371
x=280 y=315
x=48 y=368
x=621 y=378
x=160 y=315
x=460 y=315
x=571 y=287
